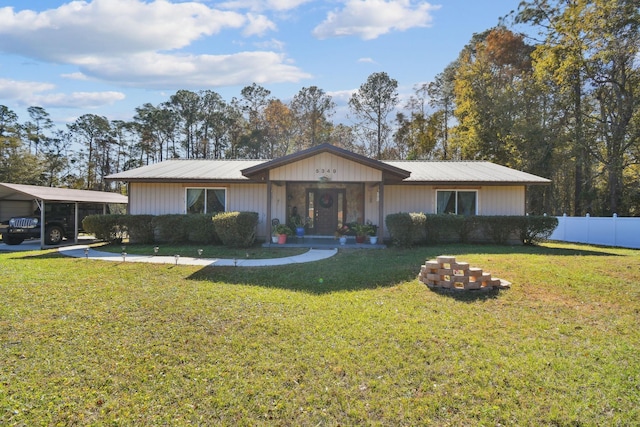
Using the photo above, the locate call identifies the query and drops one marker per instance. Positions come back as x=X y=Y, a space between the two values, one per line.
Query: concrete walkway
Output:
x=84 y=251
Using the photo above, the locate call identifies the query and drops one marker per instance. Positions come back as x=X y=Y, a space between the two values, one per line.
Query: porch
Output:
x=323 y=242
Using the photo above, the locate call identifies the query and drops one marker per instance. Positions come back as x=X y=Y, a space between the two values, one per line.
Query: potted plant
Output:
x=299 y=224
x=372 y=232
x=283 y=231
x=362 y=231
x=341 y=233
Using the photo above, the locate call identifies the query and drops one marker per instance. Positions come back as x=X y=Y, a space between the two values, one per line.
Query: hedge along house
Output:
x=328 y=185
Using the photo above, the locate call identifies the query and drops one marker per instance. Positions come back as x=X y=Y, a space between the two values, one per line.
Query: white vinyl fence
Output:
x=614 y=231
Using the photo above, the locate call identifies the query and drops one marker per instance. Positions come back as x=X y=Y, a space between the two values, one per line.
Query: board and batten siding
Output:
x=507 y=200
x=326 y=166
x=492 y=200
x=250 y=198
x=156 y=198
x=169 y=198
x=279 y=203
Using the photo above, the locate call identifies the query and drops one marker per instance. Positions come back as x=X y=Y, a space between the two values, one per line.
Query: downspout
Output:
x=381 y=211
x=268 y=236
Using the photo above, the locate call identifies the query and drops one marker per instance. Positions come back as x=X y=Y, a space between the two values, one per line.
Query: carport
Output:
x=11 y=193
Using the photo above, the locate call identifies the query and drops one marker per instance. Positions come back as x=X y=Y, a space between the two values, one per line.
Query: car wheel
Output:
x=11 y=240
x=54 y=235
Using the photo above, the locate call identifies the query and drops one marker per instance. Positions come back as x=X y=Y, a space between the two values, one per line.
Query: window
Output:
x=206 y=200
x=456 y=202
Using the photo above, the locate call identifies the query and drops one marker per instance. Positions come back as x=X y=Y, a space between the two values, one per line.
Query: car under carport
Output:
x=19 y=200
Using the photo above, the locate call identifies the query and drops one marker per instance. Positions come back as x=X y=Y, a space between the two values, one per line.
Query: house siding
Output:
x=326 y=166
x=250 y=198
x=505 y=200
x=156 y=198
x=492 y=200
x=164 y=199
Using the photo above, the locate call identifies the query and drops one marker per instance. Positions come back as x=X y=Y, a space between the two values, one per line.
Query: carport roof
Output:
x=51 y=194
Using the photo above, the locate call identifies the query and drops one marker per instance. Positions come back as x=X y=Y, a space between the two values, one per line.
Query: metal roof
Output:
x=464 y=172
x=51 y=194
x=189 y=170
x=415 y=171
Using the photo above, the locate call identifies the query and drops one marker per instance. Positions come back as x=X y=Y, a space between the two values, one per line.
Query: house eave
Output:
x=260 y=172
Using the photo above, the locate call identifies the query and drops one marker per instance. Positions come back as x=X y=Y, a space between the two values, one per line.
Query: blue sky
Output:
x=108 y=57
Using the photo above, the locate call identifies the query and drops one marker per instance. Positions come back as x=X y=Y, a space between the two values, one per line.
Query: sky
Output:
x=108 y=57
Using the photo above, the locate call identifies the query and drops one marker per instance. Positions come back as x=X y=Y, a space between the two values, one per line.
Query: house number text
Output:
x=326 y=170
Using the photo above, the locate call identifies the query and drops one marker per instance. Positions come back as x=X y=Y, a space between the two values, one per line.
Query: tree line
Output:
x=562 y=103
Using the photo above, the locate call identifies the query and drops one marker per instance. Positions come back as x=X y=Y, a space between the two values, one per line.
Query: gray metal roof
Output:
x=31 y=192
x=189 y=170
x=464 y=172
x=424 y=172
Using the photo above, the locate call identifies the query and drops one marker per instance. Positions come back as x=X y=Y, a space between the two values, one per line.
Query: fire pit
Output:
x=446 y=273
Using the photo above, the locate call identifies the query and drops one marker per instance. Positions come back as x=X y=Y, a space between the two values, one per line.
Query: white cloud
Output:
x=75 y=76
x=105 y=27
x=195 y=71
x=367 y=60
x=258 y=25
x=14 y=89
x=28 y=93
x=145 y=44
x=78 y=99
x=261 y=5
x=369 y=19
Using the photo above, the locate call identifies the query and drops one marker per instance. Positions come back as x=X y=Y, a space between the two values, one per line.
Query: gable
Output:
x=325 y=167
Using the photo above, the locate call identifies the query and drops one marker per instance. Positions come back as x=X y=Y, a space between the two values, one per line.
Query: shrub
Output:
x=406 y=228
x=105 y=227
x=200 y=228
x=501 y=229
x=236 y=229
x=139 y=228
x=447 y=228
x=171 y=228
x=537 y=228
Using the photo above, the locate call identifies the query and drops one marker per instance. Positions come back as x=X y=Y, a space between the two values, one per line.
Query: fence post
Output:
x=587 y=216
x=615 y=229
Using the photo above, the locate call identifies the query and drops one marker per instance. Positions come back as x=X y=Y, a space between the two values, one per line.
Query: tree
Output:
x=94 y=133
x=253 y=103
x=56 y=159
x=18 y=164
x=491 y=82
x=214 y=124
x=371 y=104
x=442 y=99
x=279 y=129
x=41 y=121
x=590 y=52
x=312 y=107
x=186 y=108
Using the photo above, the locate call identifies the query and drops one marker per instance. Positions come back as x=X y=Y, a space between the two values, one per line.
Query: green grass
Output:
x=208 y=251
x=351 y=340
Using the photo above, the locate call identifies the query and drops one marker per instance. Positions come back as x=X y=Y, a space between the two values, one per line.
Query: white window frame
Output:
x=456 y=191
x=186 y=199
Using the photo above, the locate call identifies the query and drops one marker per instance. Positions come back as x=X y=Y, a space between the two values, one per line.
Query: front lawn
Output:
x=351 y=340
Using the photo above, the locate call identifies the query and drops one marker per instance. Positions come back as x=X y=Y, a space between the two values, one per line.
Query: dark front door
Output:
x=328 y=206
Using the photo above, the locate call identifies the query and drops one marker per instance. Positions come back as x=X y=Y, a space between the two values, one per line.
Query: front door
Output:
x=328 y=207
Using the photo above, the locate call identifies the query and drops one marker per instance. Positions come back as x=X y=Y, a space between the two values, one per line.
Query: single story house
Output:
x=329 y=185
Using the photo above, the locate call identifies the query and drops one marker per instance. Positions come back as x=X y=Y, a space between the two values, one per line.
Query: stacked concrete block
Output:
x=446 y=273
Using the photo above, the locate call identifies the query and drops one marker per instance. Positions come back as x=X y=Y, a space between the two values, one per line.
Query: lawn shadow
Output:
x=361 y=270
x=470 y=295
